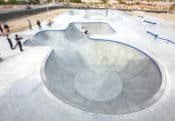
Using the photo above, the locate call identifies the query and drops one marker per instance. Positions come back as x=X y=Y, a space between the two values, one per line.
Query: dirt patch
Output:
x=20 y=24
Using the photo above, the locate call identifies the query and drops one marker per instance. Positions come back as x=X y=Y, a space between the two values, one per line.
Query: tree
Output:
x=33 y=1
x=13 y=2
x=2 y=2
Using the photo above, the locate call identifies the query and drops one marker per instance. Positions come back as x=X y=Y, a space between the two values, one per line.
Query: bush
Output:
x=172 y=7
x=22 y=2
x=33 y=1
x=75 y=1
x=12 y=2
x=2 y=2
x=137 y=3
x=105 y=1
x=121 y=2
x=49 y=1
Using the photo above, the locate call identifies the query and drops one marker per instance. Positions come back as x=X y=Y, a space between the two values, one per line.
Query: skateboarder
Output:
x=38 y=23
x=49 y=22
x=85 y=30
x=18 y=42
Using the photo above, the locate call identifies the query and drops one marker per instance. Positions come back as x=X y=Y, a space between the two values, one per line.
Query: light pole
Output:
x=47 y=9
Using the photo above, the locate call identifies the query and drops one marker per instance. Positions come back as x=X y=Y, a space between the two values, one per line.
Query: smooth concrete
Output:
x=96 y=75
x=24 y=96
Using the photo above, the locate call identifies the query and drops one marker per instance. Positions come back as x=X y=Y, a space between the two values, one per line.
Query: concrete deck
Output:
x=25 y=96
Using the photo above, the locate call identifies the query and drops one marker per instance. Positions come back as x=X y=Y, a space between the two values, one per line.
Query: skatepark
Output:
x=121 y=70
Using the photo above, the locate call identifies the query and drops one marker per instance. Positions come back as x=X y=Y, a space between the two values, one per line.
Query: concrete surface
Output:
x=25 y=96
x=98 y=76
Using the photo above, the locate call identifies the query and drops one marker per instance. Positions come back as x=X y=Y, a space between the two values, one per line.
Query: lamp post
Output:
x=47 y=8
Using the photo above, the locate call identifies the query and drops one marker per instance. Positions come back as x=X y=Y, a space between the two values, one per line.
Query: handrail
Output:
x=150 y=22
x=156 y=36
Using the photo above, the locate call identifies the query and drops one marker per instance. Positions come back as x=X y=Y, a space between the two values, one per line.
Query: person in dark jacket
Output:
x=18 y=42
x=1 y=29
x=38 y=23
x=7 y=29
x=0 y=59
x=10 y=42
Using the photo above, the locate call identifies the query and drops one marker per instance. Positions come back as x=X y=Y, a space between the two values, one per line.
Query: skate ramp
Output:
x=99 y=76
x=73 y=32
x=94 y=28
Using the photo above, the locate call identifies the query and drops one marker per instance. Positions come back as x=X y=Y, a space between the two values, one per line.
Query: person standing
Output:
x=30 y=24
x=7 y=29
x=38 y=23
x=10 y=42
x=1 y=29
x=0 y=59
x=18 y=42
x=49 y=22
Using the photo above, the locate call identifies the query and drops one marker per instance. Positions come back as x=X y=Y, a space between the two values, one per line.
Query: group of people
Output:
x=38 y=23
x=5 y=31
